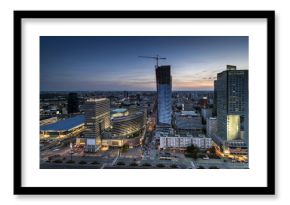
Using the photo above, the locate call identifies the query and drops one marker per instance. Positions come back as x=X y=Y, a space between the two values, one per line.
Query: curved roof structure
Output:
x=64 y=125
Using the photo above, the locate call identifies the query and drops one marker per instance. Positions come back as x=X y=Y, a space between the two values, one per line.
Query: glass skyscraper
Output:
x=164 y=92
x=97 y=119
x=232 y=103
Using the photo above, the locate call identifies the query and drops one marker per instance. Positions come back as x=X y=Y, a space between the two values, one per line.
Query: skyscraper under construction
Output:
x=164 y=92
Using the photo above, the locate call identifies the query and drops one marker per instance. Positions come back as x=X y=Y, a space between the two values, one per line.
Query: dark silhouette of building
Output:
x=126 y=94
x=203 y=103
x=72 y=103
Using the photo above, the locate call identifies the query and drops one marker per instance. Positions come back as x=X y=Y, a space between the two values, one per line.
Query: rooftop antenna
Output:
x=153 y=57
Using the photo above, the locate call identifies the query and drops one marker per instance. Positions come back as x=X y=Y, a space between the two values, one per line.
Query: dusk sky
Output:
x=111 y=63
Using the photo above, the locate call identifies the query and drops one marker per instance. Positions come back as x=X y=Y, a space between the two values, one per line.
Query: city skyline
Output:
x=112 y=63
x=148 y=130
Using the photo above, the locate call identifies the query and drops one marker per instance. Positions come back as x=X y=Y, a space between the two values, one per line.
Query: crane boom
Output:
x=153 y=57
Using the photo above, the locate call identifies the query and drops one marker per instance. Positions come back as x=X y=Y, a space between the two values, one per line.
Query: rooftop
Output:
x=188 y=113
x=119 y=110
x=96 y=99
x=64 y=125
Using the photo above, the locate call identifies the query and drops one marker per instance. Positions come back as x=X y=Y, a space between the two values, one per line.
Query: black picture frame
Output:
x=268 y=190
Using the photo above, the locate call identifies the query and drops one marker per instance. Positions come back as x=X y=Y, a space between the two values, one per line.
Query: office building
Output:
x=188 y=122
x=236 y=147
x=72 y=103
x=203 y=102
x=205 y=114
x=128 y=129
x=214 y=111
x=164 y=90
x=187 y=105
x=97 y=119
x=232 y=104
x=127 y=126
x=211 y=127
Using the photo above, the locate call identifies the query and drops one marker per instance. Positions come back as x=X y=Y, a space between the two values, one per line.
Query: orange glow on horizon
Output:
x=206 y=84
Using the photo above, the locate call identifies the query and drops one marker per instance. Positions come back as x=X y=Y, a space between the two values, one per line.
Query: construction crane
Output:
x=152 y=57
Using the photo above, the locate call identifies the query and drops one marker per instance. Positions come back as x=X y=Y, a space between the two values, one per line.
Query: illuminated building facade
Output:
x=164 y=90
x=184 y=141
x=120 y=112
x=128 y=125
x=97 y=119
x=237 y=147
x=127 y=129
x=231 y=89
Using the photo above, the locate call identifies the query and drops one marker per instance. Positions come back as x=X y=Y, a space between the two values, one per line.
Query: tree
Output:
x=160 y=165
x=212 y=150
x=82 y=162
x=134 y=164
x=57 y=161
x=213 y=167
x=120 y=163
x=146 y=165
x=174 y=166
x=193 y=151
x=70 y=162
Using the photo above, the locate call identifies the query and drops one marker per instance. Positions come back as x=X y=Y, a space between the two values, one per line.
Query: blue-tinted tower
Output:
x=164 y=93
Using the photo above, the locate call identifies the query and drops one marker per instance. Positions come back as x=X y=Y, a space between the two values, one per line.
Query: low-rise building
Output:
x=188 y=122
x=168 y=140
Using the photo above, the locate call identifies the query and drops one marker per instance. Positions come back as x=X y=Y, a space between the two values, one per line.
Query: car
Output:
x=205 y=158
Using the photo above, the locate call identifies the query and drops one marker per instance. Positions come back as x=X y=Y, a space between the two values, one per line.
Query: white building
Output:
x=177 y=141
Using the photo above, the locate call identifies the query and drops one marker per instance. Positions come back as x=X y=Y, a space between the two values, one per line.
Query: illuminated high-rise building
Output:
x=164 y=92
x=97 y=119
x=231 y=89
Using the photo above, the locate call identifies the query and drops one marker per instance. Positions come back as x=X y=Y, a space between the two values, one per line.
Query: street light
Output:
x=71 y=152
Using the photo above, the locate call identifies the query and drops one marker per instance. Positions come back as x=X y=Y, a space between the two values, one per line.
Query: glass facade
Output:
x=97 y=119
x=164 y=93
x=128 y=125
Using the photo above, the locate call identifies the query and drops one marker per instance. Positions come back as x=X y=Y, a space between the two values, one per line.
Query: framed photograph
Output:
x=144 y=102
